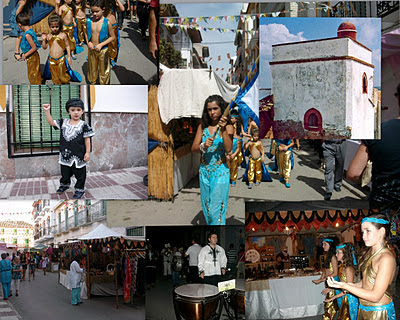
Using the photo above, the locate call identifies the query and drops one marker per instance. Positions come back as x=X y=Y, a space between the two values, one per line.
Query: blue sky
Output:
x=218 y=43
x=284 y=30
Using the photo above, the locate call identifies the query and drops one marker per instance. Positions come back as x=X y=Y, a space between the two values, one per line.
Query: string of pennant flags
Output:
x=221 y=30
x=242 y=17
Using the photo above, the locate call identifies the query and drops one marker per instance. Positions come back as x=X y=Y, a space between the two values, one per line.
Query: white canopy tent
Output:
x=101 y=232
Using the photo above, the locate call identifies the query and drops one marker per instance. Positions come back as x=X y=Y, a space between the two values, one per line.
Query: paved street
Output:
x=135 y=65
x=113 y=184
x=307 y=191
x=44 y=296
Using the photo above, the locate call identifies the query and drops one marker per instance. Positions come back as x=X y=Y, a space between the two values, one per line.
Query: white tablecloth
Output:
x=287 y=298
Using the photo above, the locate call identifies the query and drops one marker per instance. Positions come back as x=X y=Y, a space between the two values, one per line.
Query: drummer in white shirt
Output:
x=193 y=253
x=212 y=261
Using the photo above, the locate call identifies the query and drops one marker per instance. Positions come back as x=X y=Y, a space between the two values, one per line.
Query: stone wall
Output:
x=120 y=142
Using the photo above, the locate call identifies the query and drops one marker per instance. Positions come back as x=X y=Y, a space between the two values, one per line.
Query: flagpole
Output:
x=249 y=75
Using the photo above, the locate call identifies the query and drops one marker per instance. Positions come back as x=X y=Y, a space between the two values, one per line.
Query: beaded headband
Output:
x=380 y=221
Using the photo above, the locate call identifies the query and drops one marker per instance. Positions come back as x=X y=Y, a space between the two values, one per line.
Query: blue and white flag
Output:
x=248 y=101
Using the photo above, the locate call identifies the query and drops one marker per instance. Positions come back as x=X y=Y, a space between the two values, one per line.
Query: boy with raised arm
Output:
x=74 y=146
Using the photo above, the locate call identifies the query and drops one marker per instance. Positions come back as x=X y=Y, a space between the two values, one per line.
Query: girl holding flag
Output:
x=213 y=140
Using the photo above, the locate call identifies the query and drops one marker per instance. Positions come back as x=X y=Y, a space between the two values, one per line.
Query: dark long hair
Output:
x=331 y=252
x=109 y=5
x=239 y=122
x=349 y=255
x=205 y=118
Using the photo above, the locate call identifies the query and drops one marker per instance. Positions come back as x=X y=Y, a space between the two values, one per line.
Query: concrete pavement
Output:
x=307 y=191
x=45 y=297
x=113 y=184
x=135 y=65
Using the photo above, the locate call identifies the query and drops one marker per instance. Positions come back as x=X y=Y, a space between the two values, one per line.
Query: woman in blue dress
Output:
x=5 y=275
x=213 y=140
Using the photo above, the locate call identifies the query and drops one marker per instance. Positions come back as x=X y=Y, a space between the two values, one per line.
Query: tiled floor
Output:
x=7 y=313
x=113 y=184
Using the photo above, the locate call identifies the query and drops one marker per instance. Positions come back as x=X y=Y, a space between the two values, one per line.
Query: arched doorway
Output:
x=313 y=120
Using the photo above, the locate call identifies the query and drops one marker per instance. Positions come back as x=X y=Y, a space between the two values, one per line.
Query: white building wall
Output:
x=298 y=87
x=360 y=111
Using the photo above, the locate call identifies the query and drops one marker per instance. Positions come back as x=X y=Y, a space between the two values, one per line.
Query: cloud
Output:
x=271 y=34
x=276 y=34
x=368 y=32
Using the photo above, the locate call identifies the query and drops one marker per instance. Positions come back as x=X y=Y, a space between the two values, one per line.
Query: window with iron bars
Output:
x=28 y=132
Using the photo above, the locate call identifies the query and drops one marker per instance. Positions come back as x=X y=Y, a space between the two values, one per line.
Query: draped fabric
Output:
x=273 y=220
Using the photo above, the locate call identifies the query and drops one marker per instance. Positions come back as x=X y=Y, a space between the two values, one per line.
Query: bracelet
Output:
x=202 y=149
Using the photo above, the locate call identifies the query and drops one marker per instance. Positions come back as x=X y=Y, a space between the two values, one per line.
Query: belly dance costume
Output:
x=369 y=310
x=80 y=25
x=214 y=180
x=113 y=47
x=331 y=307
x=99 y=61
x=284 y=159
x=33 y=61
x=348 y=304
x=58 y=69
x=256 y=169
x=233 y=164
x=68 y=29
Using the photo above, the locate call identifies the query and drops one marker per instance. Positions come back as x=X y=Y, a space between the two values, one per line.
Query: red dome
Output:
x=347 y=29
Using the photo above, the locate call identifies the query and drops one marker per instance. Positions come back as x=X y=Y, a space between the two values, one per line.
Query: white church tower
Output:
x=323 y=88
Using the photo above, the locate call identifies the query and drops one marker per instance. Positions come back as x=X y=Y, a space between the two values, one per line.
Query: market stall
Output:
x=175 y=109
x=284 y=254
x=114 y=263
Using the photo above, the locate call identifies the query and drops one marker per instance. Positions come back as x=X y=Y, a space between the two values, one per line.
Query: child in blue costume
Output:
x=57 y=66
x=256 y=169
x=378 y=267
x=330 y=270
x=99 y=34
x=214 y=140
x=29 y=47
x=348 y=304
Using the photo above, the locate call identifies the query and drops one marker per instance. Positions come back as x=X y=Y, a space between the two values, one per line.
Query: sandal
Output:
x=17 y=56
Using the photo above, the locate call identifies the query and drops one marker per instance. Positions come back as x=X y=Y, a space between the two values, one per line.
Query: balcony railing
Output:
x=98 y=211
x=384 y=8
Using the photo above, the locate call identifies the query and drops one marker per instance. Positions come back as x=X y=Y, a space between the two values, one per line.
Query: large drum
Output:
x=235 y=301
x=197 y=302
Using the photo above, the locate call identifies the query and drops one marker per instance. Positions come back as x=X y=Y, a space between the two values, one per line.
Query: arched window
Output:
x=313 y=120
x=364 y=83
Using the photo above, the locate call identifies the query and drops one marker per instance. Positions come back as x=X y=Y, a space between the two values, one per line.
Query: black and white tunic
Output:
x=72 y=142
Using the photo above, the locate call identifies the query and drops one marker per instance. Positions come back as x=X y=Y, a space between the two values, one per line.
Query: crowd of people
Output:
x=207 y=263
x=70 y=30
x=13 y=269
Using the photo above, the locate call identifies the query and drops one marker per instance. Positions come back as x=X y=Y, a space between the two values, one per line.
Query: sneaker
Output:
x=78 y=194
x=338 y=189
x=328 y=196
x=257 y=184
x=61 y=189
x=250 y=186
x=287 y=185
x=282 y=180
x=233 y=183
